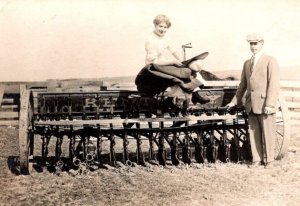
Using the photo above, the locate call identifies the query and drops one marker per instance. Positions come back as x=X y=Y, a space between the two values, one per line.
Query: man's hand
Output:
x=269 y=110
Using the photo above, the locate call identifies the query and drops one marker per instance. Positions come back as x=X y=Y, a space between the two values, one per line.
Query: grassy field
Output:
x=197 y=184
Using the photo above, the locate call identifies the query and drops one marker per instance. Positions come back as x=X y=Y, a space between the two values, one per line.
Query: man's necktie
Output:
x=252 y=63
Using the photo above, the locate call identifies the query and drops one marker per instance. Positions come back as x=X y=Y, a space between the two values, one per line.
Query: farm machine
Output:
x=69 y=128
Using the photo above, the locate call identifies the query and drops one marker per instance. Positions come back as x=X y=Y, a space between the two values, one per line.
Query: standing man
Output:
x=260 y=81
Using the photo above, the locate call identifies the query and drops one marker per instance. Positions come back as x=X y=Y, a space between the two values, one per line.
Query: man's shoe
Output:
x=254 y=164
x=269 y=165
x=197 y=98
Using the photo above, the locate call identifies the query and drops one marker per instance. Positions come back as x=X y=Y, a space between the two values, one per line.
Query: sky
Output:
x=60 y=39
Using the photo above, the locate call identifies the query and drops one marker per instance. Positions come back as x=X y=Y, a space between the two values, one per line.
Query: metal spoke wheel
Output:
x=25 y=134
x=283 y=129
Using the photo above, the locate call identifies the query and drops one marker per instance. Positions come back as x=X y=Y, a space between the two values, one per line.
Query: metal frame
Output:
x=207 y=135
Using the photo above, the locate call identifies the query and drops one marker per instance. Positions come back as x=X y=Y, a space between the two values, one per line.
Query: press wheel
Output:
x=283 y=129
x=25 y=135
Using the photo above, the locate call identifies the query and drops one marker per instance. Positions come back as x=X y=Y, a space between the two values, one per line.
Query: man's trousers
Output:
x=262 y=131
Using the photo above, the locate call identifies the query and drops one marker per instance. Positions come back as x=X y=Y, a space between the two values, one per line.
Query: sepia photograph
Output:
x=129 y=102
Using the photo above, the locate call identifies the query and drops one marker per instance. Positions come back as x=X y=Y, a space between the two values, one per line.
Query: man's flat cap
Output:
x=255 y=37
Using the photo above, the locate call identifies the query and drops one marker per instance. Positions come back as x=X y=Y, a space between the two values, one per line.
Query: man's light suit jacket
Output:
x=261 y=87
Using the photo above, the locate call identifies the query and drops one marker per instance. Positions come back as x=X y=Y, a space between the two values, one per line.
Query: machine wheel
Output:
x=25 y=136
x=282 y=129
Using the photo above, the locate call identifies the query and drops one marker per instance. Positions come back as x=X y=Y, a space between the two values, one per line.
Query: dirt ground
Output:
x=216 y=184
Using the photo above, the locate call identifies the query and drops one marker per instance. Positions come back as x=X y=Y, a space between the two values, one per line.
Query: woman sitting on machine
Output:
x=166 y=72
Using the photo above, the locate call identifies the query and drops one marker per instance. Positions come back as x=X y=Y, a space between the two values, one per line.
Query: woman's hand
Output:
x=177 y=62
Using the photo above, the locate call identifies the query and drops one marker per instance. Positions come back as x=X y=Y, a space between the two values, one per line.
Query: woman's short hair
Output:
x=162 y=18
